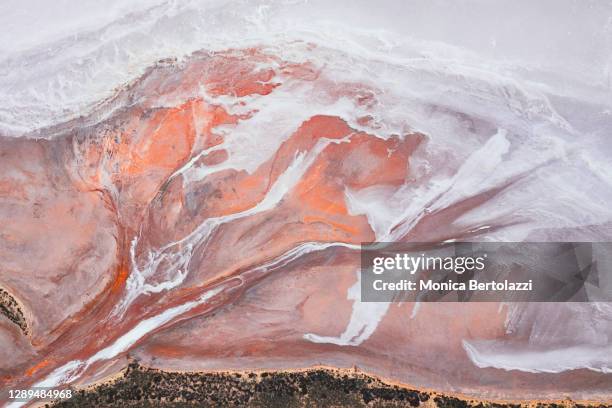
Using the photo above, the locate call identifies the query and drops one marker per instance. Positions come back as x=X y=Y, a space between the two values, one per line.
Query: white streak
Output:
x=552 y=360
x=73 y=369
x=177 y=254
x=363 y=322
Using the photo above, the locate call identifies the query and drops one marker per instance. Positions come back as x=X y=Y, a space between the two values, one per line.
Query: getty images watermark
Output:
x=486 y=272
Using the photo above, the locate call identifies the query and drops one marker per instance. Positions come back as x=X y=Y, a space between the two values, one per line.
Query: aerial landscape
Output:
x=186 y=188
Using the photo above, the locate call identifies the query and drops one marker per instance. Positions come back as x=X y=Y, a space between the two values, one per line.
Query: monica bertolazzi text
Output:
x=471 y=285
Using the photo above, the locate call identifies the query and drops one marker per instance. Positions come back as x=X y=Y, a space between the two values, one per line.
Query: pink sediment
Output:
x=74 y=205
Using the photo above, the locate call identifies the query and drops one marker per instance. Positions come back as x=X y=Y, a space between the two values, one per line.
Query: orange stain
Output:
x=37 y=367
x=121 y=278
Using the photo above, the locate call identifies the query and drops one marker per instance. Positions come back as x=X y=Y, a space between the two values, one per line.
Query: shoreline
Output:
x=371 y=388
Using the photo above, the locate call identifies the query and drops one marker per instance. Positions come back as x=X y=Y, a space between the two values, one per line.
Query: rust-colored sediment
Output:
x=75 y=206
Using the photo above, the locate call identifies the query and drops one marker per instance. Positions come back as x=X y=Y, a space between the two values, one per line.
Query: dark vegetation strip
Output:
x=145 y=387
x=10 y=308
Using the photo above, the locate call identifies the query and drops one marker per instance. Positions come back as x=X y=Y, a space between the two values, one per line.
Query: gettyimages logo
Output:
x=414 y=263
x=486 y=272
